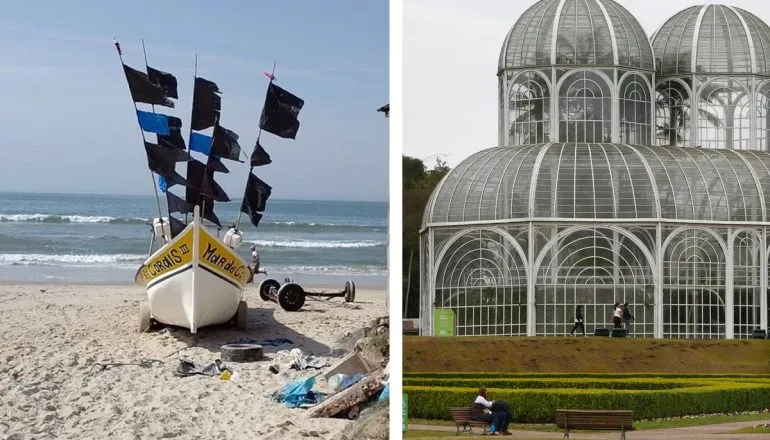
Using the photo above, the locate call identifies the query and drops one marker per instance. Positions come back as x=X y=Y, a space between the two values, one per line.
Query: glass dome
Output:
x=712 y=39
x=604 y=181
x=563 y=68
x=572 y=32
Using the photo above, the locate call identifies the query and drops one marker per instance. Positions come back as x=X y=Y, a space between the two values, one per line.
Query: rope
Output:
x=181 y=349
x=101 y=366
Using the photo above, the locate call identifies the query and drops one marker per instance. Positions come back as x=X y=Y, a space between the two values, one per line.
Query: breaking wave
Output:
x=272 y=225
x=104 y=260
x=54 y=218
x=329 y=244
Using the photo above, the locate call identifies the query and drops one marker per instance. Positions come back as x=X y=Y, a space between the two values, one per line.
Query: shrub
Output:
x=624 y=383
x=698 y=395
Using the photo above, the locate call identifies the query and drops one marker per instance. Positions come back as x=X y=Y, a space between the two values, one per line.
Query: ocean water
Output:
x=56 y=238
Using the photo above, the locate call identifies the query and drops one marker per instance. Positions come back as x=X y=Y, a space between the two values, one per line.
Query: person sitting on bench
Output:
x=498 y=414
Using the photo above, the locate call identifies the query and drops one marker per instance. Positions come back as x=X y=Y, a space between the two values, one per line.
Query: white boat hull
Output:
x=195 y=280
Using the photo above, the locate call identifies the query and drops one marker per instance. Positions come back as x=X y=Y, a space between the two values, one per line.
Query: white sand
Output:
x=51 y=339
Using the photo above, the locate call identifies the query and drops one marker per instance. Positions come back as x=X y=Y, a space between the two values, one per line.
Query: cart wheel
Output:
x=291 y=297
x=348 y=291
x=265 y=286
x=353 y=290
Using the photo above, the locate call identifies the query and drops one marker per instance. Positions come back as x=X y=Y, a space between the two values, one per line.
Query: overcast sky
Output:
x=451 y=49
x=68 y=124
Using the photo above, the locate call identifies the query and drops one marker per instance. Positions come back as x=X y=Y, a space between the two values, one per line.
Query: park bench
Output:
x=594 y=420
x=462 y=418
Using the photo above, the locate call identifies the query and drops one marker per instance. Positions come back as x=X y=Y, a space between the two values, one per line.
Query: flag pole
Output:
x=211 y=144
x=144 y=139
x=251 y=168
x=154 y=185
x=189 y=136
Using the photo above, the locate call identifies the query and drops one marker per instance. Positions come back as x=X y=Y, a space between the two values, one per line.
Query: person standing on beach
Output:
x=578 y=321
x=255 y=261
x=617 y=316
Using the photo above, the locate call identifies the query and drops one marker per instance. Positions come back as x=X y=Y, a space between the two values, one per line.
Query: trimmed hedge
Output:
x=530 y=405
x=625 y=383
x=474 y=375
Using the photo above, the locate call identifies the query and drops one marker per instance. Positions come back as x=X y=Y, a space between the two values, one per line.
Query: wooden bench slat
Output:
x=462 y=418
x=614 y=420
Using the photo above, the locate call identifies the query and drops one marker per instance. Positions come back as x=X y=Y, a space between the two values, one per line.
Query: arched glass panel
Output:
x=693 y=287
x=634 y=111
x=763 y=116
x=672 y=114
x=482 y=279
x=724 y=119
x=593 y=268
x=585 y=109
x=529 y=110
x=747 y=290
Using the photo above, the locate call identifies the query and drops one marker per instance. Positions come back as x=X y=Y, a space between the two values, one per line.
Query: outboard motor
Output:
x=162 y=230
x=233 y=238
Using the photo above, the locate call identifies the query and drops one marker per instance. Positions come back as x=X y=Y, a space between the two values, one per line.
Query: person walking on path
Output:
x=627 y=316
x=617 y=316
x=578 y=321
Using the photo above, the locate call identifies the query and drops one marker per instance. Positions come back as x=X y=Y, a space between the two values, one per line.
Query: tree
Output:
x=418 y=184
x=414 y=171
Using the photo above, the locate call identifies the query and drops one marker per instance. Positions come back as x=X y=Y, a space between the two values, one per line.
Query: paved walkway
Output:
x=702 y=432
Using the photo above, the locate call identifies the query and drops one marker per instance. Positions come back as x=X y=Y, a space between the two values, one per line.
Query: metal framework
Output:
x=712 y=58
x=621 y=177
x=515 y=237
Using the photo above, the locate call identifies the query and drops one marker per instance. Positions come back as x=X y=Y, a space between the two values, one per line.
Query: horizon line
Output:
x=150 y=195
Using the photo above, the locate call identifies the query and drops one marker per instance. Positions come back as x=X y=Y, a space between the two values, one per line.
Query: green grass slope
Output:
x=585 y=355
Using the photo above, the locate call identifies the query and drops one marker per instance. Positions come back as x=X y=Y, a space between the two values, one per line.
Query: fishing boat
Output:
x=195 y=277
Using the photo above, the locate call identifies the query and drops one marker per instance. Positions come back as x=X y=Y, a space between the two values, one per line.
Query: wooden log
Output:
x=357 y=394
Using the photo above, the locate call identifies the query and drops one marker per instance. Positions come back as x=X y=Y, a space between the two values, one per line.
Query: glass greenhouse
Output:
x=630 y=196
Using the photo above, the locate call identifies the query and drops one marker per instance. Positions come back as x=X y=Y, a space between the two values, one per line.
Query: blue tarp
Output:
x=298 y=393
x=153 y=122
x=385 y=394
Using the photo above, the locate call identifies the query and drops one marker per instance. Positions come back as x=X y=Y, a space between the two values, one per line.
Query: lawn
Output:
x=585 y=355
x=439 y=435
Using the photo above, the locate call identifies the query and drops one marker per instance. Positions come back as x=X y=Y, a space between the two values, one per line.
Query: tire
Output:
x=145 y=322
x=353 y=295
x=242 y=316
x=349 y=291
x=241 y=352
x=265 y=286
x=291 y=297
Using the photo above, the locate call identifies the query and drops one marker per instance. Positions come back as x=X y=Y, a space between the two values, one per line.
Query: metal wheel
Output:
x=291 y=297
x=265 y=286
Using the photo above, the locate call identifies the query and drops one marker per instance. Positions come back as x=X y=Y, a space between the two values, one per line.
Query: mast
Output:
x=192 y=106
x=154 y=184
x=221 y=144
x=259 y=134
x=144 y=138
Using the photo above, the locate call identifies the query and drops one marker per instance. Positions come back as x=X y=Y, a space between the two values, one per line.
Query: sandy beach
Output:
x=53 y=335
